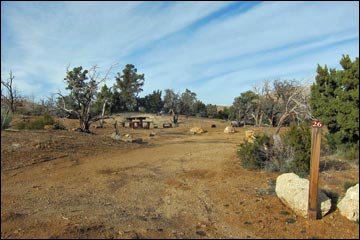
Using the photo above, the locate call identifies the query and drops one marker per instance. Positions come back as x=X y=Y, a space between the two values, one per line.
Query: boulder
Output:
x=234 y=124
x=48 y=127
x=249 y=136
x=197 y=130
x=115 y=136
x=349 y=205
x=229 y=129
x=293 y=191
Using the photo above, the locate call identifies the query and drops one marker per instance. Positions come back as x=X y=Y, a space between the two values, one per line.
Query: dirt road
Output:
x=59 y=184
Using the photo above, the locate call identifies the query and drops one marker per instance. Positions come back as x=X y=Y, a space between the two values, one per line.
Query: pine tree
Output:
x=130 y=84
x=335 y=100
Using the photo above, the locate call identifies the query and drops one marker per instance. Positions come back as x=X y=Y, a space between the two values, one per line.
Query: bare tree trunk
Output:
x=11 y=99
x=116 y=127
x=281 y=121
x=175 y=118
x=102 y=115
x=259 y=121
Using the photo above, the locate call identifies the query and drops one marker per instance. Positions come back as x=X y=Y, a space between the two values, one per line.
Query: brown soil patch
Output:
x=65 y=184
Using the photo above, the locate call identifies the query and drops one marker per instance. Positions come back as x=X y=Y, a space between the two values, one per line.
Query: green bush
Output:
x=6 y=118
x=289 y=153
x=59 y=126
x=254 y=155
x=349 y=151
x=299 y=139
x=37 y=124
x=48 y=119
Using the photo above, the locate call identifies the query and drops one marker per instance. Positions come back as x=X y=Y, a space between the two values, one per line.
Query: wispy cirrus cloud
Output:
x=208 y=47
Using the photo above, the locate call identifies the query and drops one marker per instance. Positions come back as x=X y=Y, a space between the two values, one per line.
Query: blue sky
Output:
x=216 y=49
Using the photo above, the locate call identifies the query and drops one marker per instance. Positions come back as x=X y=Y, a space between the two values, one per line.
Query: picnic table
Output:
x=137 y=122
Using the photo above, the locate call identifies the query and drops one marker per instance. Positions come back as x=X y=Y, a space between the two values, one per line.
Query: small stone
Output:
x=201 y=233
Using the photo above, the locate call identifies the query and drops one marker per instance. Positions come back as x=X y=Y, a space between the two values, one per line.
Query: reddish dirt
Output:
x=66 y=184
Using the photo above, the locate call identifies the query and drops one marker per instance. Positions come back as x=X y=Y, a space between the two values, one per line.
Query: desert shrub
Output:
x=348 y=151
x=48 y=119
x=59 y=126
x=37 y=124
x=281 y=155
x=254 y=155
x=6 y=118
x=288 y=153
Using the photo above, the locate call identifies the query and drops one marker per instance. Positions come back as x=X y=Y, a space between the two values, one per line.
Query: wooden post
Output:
x=314 y=169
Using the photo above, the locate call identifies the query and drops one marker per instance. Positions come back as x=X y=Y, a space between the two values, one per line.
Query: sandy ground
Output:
x=66 y=184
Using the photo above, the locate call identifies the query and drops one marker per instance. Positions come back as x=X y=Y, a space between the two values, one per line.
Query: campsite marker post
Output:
x=314 y=169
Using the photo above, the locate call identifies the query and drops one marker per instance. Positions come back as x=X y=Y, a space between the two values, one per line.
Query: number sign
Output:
x=317 y=123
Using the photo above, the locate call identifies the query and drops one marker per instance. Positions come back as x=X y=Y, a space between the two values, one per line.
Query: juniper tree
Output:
x=83 y=85
x=335 y=100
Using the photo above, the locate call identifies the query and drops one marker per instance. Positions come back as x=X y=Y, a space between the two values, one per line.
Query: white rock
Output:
x=293 y=191
x=229 y=129
x=349 y=205
x=197 y=130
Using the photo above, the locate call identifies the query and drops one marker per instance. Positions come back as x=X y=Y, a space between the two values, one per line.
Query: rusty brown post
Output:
x=314 y=169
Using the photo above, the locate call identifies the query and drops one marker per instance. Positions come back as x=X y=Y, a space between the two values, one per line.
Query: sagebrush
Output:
x=287 y=153
x=37 y=124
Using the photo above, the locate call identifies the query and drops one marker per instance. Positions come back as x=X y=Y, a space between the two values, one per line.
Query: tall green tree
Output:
x=323 y=98
x=103 y=98
x=171 y=101
x=211 y=111
x=224 y=114
x=335 y=100
x=153 y=102
x=245 y=105
x=199 y=108
x=172 y=104
x=187 y=100
x=130 y=85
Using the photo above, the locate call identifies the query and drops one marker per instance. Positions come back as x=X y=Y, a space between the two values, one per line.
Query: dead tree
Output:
x=12 y=95
x=295 y=99
x=258 y=114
